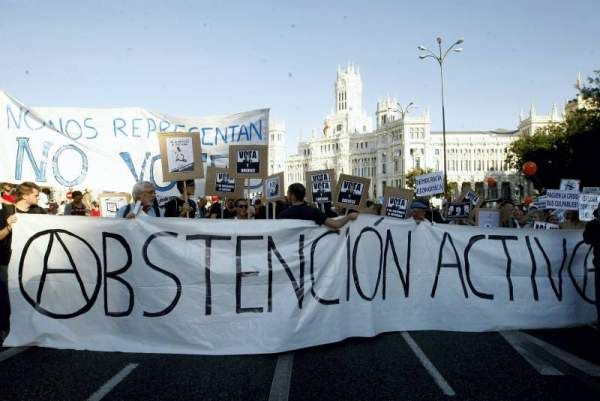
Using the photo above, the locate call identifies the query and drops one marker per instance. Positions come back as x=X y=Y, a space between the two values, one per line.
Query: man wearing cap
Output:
x=591 y=236
x=417 y=211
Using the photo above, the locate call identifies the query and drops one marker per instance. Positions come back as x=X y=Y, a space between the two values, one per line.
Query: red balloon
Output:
x=528 y=200
x=529 y=169
x=491 y=181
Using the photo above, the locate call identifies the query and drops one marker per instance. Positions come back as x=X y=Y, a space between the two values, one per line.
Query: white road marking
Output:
x=538 y=364
x=578 y=363
x=435 y=374
x=112 y=383
x=280 y=387
x=12 y=352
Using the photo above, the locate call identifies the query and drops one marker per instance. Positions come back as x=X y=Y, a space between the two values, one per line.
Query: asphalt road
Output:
x=534 y=365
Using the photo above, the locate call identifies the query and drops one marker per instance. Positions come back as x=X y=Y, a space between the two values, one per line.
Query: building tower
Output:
x=348 y=90
x=387 y=111
x=277 y=150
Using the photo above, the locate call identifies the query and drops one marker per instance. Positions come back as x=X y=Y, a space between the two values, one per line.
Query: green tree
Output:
x=565 y=150
x=412 y=175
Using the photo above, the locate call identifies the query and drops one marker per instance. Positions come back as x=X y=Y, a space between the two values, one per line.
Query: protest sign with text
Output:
x=110 y=149
x=245 y=287
x=429 y=184
x=562 y=200
x=396 y=202
x=587 y=204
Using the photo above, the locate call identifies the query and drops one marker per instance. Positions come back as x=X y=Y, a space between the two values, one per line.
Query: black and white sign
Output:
x=273 y=187
x=459 y=210
x=562 y=200
x=569 y=184
x=248 y=161
x=350 y=192
x=472 y=197
x=430 y=184
x=321 y=188
x=180 y=154
x=224 y=182
x=396 y=207
x=587 y=204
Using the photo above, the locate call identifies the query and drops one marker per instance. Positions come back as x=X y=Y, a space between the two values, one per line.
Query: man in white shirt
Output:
x=145 y=193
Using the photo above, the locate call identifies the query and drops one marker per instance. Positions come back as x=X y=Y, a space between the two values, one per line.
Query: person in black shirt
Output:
x=591 y=236
x=300 y=210
x=177 y=207
x=25 y=202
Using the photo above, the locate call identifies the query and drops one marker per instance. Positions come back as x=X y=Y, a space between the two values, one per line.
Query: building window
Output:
x=339 y=127
x=437 y=152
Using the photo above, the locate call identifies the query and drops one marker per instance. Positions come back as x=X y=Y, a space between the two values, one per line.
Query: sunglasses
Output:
x=243 y=206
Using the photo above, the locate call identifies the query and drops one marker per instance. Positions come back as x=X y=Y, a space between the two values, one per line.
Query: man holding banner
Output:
x=25 y=202
x=591 y=236
x=144 y=195
x=301 y=211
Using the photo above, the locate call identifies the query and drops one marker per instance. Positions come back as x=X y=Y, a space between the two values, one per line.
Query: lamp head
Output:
x=459 y=41
x=458 y=49
x=439 y=40
x=422 y=48
x=422 y=57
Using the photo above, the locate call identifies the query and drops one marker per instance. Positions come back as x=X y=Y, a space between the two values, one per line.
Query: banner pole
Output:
x=267 y=210
x=223 y=208
x=185 y=198
x=274 y=210
x=431 y=211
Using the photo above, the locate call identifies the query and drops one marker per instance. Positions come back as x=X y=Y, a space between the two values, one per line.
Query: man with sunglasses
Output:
x=241 y=206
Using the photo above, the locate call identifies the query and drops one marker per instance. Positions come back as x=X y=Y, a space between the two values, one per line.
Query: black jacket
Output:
x=591 y=235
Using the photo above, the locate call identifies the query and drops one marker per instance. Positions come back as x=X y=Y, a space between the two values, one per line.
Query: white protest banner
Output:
x=587 y=204
x=591 y=190
x=569 y=184
x=562 y=200
x=109 y=149
x=262 y=286
x=430 y=184
x=542 y=225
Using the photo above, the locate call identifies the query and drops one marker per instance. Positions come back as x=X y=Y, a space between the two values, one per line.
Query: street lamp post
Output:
x=440 y=59
x=404 y=110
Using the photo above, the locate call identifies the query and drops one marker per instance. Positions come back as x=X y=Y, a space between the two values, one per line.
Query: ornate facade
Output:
x=403 y=141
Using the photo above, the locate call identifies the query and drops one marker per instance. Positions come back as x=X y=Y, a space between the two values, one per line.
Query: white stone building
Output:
x=404 y=141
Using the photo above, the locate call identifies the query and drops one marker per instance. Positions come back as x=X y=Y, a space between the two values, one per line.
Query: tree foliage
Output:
x=413 y=174
x=569 y=149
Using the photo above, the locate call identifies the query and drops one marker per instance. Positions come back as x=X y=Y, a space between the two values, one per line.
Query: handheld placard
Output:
x=136 y=208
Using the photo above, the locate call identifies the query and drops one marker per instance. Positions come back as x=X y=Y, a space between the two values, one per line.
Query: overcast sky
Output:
x=207 y=58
